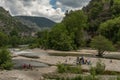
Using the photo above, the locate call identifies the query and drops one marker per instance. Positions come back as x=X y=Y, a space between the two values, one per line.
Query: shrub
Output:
x=118 y=78
x=93 y=71
x=62 y=68
x=5 y=59
x=7 y=65
x=98 y=69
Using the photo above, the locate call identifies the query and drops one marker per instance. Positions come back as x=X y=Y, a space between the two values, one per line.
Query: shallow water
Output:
x=18 y=63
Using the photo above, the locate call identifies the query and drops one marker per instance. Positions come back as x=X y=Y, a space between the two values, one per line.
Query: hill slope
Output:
x=9 y=23
x=37 y=22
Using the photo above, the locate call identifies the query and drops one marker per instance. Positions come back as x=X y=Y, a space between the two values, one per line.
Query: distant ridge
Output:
x=8 y=23
x=38 y=22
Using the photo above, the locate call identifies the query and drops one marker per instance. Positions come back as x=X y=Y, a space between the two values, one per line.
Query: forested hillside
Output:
x=8 y=23
x=78 y=28
x=12 y=31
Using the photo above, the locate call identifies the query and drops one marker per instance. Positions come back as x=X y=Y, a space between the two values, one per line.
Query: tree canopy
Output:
x=5 y=59
x=111 y=29
x=59 y=38
x=3 y=39
x=101 y=44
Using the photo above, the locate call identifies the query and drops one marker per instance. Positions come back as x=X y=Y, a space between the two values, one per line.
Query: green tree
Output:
x=3 y=39
x=75 y=20
x=76 y=23
x=116 y=7
x=14 y=32
x=43 y=39
x=59 y=38
x=101 y=44
x=111 y=29
x=5 y=59
x=95 y=10
x=14 y=41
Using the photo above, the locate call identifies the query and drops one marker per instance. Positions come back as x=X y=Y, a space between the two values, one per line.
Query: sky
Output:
x=52 y=9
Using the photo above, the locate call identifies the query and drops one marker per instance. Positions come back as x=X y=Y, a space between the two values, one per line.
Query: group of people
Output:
x=82 y=60
x=27 y=66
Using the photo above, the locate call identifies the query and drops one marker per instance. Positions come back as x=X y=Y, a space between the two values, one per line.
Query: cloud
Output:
x=52 y=9
x=71 y=4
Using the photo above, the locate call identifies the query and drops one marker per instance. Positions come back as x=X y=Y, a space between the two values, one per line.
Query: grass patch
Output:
x=78 y=77
x=62 y=68
x=98 y=69
x=111 y=72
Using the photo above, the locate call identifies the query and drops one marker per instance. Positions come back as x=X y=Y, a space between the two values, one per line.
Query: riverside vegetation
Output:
x=5 y=59
x=95 y=72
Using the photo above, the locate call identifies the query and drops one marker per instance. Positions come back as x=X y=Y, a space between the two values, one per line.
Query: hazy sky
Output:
x=52 y=9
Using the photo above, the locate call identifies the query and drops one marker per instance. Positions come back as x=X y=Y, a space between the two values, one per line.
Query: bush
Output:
x=61 y=68
x=7 y=65
x=118 y=78
x=5 y=59
x=98 y=69
x=69 y=69
x=93 y=71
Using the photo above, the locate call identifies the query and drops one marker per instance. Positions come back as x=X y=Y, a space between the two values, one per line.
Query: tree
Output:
x=14 y=32
x=101 y=44
x=14 y=41
x=111 y=29
x=3 y=39
x=116 y=7
x=59 y=38
x=43 y=39
x=76 y=23
x=5 y=59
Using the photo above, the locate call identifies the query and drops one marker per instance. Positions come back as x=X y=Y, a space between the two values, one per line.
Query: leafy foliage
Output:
x=98 y=69
x=116 y=8
x=59 y=38
x=76 y=23
x=3 y=39
x=62 y=68
x=97 y=11
x=5 y=59
x=101 y=44
x=111 y=29
x=43 y=39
